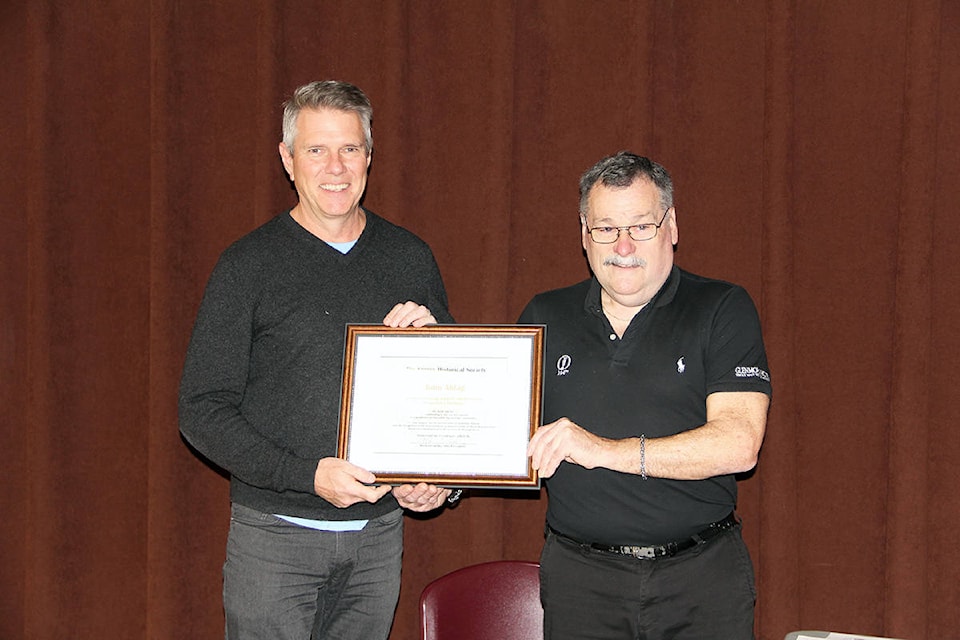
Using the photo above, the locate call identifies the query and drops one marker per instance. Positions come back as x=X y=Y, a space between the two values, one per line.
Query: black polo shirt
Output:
x=697 y=336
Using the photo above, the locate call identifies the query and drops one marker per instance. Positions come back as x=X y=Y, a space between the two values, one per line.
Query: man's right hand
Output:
x=342 y=484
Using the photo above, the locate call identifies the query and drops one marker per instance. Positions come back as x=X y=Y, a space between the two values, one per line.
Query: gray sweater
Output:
x=260 y=392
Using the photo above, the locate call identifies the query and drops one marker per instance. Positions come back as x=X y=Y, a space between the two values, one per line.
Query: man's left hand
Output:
x=409 y=314
x=420 y=497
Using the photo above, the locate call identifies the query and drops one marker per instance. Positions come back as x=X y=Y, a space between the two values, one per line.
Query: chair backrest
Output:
x=831 y=635
x=490 y=601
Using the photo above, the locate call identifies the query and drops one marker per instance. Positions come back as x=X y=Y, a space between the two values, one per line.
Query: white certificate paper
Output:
x=454 y=405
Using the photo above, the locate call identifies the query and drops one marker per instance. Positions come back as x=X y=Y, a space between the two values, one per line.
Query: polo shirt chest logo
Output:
x=563 y=365
x=681 y=365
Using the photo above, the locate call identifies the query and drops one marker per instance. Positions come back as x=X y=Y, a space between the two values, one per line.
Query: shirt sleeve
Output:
x=736 y=356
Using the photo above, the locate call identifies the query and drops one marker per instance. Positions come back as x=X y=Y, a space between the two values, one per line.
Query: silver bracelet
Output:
x=454 y=496
x=643 y=457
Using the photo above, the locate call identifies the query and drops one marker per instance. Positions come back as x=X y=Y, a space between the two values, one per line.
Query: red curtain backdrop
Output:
x=814 y=148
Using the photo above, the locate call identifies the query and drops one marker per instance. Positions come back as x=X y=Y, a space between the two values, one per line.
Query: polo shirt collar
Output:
x=662 y=298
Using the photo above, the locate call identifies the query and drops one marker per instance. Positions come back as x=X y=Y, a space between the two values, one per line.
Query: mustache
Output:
x=621 y=261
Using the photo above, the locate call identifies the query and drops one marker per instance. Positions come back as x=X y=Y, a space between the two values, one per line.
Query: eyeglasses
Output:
x=637 y=232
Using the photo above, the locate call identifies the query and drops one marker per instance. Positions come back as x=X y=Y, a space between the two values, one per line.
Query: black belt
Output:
x=659 y=551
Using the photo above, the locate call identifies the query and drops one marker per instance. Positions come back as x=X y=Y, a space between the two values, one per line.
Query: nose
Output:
x=335 y=164
x=624 y=245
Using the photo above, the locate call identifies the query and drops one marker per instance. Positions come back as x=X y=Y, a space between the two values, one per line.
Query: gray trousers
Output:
x=286 y=582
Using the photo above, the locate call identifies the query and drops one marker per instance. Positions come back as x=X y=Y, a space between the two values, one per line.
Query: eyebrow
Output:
x=644 y=218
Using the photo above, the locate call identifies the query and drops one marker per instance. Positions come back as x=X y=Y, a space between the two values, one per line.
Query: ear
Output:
x=674 y=229
x=287 y=158
x=584 y=236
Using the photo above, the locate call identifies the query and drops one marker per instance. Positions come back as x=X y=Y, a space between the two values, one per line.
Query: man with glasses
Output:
x=655 y=394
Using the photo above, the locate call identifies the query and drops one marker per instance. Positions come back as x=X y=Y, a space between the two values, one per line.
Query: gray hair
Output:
x=327 y=94
x=621 y=171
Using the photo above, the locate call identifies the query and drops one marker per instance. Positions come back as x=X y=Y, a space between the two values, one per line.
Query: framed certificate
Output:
x=452 y=405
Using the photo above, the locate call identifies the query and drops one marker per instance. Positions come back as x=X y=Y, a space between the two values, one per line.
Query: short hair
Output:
x=327 y=94
x=622 y=170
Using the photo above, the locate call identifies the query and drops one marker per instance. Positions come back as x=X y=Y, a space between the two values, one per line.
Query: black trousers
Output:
x=705 y=593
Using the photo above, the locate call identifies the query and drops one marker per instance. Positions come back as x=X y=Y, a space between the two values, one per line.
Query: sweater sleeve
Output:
x=437 y=296
x=212 y=388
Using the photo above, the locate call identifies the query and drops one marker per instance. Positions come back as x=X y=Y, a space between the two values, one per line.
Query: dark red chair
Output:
x=490 y=601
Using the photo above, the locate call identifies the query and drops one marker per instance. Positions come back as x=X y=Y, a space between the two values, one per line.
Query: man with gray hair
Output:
x=314 y=545
x=655 y=394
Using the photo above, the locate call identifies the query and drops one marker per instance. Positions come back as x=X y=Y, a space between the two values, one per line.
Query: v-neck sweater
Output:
x=260 y=392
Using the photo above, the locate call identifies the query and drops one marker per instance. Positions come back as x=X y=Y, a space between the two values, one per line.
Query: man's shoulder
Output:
x=270 y=232
x=689 y=278
x=270 y=246
x=573 y=291
x=387 y=231
x=703 y=289
x=710 y=299
x=556 y=302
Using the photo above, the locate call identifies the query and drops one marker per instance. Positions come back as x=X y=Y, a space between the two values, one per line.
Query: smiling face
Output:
x=328 y=165
x=630 y=272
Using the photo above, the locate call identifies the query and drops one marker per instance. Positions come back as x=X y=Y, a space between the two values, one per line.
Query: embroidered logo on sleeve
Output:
x=563 y=365
x=752 y=372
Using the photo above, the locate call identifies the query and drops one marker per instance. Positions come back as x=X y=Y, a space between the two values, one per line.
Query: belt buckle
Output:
x=639 y=552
